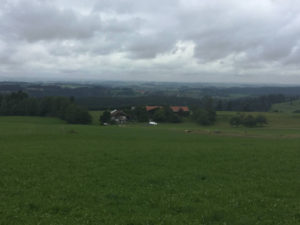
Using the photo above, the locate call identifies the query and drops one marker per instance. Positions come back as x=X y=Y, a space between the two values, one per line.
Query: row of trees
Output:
x=20 y=104
x=245 y=104
x=251 y=104
x=248 y=120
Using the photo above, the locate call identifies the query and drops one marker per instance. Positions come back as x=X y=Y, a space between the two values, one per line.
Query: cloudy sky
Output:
x=158 y=40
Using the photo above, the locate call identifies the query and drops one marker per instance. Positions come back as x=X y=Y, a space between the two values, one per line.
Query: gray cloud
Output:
x=212 y=40
x=141 y=6
x=36 y=20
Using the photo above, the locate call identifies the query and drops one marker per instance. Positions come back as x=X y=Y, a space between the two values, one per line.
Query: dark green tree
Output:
x=261 y=120
x=249 y=121
x=201 y=116
x=141 y=114
x=4 y=107
x=160 y=115
x=236 y=121
x=219 y=106
x=77 y=115
x=105 y=117
x=208 y=105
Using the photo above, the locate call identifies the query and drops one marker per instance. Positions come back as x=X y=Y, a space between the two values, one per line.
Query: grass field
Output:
x=287 y=107
x=59 y=174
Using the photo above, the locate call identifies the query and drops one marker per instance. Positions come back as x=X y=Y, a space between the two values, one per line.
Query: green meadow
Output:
x=53 y=173
x=287 y=107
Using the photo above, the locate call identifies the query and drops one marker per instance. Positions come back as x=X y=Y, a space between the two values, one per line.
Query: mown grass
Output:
x=54 y=173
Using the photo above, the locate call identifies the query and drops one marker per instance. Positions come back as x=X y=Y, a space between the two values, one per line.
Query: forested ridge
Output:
x=143 y=89
x=247 y=104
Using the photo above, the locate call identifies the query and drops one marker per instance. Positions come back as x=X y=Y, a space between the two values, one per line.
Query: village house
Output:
x=118 y=116
x=175 y=109
x=152 y=108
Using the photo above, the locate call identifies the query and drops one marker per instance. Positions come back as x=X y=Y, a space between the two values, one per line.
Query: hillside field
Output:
x=52 y=173
x=286 y=107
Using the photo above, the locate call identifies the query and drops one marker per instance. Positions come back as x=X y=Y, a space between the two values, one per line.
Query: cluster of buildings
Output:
x=120 y=117
x=175 y=109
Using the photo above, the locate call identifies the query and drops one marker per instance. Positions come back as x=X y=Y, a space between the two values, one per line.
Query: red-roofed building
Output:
x=177 y=109
x=152 y=108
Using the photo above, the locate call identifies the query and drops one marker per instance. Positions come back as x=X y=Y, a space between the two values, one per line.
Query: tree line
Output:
x=127 y=89
x=252 y=104
x=244 y=104
x=20 y=104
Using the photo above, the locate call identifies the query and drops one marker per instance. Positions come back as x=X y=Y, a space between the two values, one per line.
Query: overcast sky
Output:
x=158 y=40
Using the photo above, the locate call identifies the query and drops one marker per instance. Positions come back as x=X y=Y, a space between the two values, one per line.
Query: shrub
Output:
x=248 y=120
x=261 y=120
x=235 y=121
x=204 y=117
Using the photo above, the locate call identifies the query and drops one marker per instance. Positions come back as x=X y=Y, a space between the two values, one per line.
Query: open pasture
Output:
x=54 y=173
x=287 y=107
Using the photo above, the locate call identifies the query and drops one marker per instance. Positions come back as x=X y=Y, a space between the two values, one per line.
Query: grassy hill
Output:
x=287 y=107
x=55 y=173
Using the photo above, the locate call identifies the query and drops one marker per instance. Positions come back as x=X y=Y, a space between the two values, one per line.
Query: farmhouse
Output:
x=177 y=109
x=118 y=116
x=152 y=108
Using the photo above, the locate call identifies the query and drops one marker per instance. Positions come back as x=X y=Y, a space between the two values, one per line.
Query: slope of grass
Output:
x=287 y=107
x=54 y=173
x=95 y=117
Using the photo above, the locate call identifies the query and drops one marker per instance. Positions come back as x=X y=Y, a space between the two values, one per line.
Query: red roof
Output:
x=150 y=108
x=173 y=108
x=178 y=108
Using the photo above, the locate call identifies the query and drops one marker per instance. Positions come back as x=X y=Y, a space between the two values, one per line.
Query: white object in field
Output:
x=153 y=123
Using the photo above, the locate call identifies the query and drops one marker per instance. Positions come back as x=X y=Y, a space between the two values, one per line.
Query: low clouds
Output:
x=166 y=40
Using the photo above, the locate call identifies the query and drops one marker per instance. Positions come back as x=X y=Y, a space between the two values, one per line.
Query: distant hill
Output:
x=144 y=89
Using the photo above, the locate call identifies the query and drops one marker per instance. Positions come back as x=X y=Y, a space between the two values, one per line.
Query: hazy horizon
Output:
x=119 y=83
